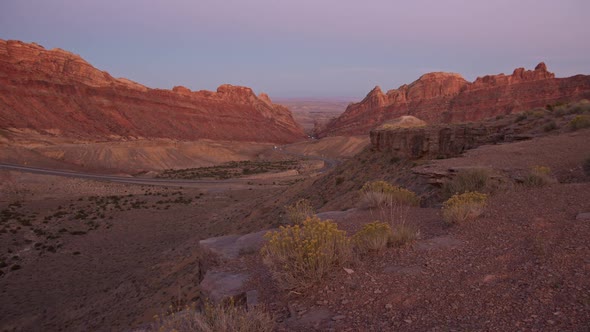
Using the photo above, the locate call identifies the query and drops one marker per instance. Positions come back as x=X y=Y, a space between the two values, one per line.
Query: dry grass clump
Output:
x=464 y=207
x=538 y=177
x=217 y=318
x=403 y=233
x=299 y=211
x=580 y=122
x=380 y=193
x=372 y=237
x=477 y=179
x=301 y=255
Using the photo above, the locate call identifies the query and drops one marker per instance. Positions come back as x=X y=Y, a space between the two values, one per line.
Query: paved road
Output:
x=119 y=179
x=329 y=163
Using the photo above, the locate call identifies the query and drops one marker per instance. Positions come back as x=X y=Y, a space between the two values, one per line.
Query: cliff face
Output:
x=447 y=98
x=57 y=92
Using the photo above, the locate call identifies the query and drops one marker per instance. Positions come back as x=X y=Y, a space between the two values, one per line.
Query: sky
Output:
x=306 y=48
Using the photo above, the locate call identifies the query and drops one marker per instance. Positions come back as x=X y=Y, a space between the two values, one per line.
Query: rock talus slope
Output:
x=59 y=93
x=448 y=97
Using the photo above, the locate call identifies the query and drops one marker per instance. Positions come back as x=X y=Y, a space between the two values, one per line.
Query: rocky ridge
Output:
x=448 y=98
x=58 y=93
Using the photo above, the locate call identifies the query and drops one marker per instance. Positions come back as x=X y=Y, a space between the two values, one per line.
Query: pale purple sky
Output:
x=306 y=48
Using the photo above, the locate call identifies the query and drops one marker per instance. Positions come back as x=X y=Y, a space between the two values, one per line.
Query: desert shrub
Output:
x=217 y=318
x=301 y=255
x=537 y=177
x=586 y=166
x=464 y=207
x=403 y=233
x=583 y=106
x=381 y=193
x=580 y=122
x=299 y=211
x=477 y=179
x=372 y=237
x=538 y=112
x=552 y=107
x=550 y=126
x=521 y=117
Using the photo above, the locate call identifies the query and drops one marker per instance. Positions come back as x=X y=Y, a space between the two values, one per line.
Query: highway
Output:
x=119 y=179
x=328 y=164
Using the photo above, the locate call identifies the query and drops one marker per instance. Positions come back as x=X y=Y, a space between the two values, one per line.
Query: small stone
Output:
x=489 y=278
x=377 y=291
x=339 y=317
x=388 y=306
x=583 y=216
x=345 y=301
x=409 y=321
x=349 y=271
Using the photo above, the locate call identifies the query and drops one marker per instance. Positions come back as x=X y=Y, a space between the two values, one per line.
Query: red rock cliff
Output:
x=55 y=91
x=447 y=97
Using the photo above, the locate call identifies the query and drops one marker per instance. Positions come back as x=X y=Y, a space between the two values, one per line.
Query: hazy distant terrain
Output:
x=310 y=112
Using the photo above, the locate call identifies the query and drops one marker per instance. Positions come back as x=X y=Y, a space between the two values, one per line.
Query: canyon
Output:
x=448 y=98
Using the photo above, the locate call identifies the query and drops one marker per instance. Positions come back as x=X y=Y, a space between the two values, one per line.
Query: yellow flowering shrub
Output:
x=301 y=255
x=381 y=193
x=372 y=237
x=464 y=207
x=299 y=211
x=580 y=121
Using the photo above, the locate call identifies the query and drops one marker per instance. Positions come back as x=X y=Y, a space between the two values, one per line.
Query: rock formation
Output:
x=57 y=92
x=448 y=98
x=417 y=140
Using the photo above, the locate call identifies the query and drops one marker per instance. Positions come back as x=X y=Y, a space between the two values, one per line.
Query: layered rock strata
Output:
x=58 y=93
x=449 y=98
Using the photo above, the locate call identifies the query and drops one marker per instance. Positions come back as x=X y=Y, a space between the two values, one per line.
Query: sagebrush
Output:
x=580 y=122
x=477 y=179
x=464 y=207
x=381 y=193
x=301 y=255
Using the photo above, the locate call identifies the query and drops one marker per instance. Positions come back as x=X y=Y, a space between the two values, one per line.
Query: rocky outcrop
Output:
x=448 y=98
x=54 y=91
x=442 y=140
x=432 y=142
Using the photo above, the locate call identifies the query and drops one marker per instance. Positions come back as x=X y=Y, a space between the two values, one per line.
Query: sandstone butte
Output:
x=58 y=93
x=449 y=98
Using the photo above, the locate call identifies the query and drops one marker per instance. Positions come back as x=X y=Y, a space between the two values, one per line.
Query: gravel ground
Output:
x=523 y=266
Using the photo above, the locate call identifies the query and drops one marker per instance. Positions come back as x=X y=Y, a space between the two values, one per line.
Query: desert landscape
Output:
x=447 y=204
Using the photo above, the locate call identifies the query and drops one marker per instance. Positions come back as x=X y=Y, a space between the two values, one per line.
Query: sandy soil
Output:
x=123 y=156
x=336 y=147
